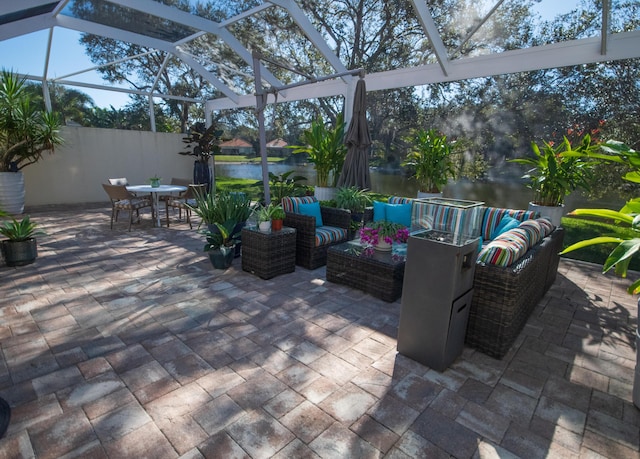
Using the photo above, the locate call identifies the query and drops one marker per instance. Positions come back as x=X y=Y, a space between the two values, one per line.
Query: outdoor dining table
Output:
x=155 y=192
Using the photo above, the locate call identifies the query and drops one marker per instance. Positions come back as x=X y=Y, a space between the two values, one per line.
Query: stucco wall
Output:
x=90 y=156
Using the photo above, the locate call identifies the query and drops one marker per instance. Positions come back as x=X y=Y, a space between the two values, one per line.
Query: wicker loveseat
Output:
x=505 y=296
x=514 y=271
x=314 y=237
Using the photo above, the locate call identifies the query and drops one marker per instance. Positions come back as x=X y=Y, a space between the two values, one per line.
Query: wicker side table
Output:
x=269 y=254
x=380 y=274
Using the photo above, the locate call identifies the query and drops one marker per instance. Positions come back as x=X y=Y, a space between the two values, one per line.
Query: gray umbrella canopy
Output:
x=355 y=171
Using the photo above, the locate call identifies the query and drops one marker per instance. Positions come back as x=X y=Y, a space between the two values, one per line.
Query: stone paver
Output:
x=117 y=344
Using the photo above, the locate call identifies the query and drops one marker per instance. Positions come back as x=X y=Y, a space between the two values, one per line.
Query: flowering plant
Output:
x=389 y=232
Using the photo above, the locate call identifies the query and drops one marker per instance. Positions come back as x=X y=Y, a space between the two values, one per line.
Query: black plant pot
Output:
x=202 y=174
x=221 y=258
x=19 y=253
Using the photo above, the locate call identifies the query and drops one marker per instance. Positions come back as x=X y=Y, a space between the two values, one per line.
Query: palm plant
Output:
x=326 y=149
x=430 y=160
x=556 y=171
x=25 y=132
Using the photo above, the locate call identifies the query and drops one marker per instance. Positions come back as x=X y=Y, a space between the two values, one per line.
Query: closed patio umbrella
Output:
x=355 y=171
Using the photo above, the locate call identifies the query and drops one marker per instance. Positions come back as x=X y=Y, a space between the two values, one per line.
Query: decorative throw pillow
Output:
x=379 y=211
x=506 y=223
x=312 y=210
x=399 y=213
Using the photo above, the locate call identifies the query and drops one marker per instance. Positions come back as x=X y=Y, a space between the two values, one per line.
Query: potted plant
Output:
x=221 y=208
x=353 y=199
x=264 y=217
x=26 y=132
x=155 y=181
x=430 y=162
x=20 y=248
x=202 y=143
x=326 y=150
x=277 y=217
x=282 y=185
x=556 y=171
x=382 y=234
x=220 y=244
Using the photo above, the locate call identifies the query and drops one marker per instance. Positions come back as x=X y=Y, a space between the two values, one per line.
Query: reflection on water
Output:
x=514 y=195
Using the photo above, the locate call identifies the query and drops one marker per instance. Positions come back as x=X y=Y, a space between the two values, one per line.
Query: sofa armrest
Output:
x=305 y=226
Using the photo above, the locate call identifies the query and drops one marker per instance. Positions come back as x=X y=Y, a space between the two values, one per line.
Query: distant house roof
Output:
x=236 y=143
x=277 y=143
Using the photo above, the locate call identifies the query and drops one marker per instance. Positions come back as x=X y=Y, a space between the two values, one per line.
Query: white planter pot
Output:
x=324 y=193
x=553 y=213
x=12 y=192
x=265 y=227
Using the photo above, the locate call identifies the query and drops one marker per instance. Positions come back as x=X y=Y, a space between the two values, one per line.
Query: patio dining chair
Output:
x=123 y=199
x=184 y=202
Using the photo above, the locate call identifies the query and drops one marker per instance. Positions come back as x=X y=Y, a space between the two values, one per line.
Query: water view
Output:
x=512 y=194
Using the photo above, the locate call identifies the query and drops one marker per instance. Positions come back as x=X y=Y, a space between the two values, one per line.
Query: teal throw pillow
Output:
x=399 y=213
x=507 y=223
x=312 y=210
x=379 y=211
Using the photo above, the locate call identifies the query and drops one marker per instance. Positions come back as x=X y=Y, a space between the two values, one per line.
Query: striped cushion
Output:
x=505 y=249
x=400 y=200
x=535 y=230
x=290 y=204
x=547 y=226
x=328 y=234
x=493 y=215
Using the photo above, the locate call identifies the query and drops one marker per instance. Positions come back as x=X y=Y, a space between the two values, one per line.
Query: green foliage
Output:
x=25 y=132
x=325 y=149
x=223 y=236
x=19 y=230
x=222 y=208
x=629 y=215
x=265 y=213
x=557 y=171
x=352 y=198
x=281 y=185
x=430 y=160
x=202 y=142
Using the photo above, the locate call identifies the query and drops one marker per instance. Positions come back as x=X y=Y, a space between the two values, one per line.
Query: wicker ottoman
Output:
x=378 y=273
x=269 y=254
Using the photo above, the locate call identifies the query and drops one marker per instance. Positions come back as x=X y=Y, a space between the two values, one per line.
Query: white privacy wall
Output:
x=89 y=156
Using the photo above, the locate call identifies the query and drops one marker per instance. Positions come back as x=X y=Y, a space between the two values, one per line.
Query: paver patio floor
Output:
x=130 y=345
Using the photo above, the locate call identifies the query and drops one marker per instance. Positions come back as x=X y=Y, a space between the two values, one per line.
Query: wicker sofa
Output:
x=504 y=296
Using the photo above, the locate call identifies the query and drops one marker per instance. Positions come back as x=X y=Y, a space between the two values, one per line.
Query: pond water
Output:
x=511 y=194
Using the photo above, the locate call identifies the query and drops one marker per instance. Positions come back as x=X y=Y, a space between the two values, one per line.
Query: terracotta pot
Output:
x=276 y=225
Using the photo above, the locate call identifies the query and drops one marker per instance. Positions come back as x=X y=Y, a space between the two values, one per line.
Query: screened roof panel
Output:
x=121 y=17
x=27 y=13
x=431 y=41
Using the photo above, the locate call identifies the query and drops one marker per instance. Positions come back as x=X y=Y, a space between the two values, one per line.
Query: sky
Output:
x=26 y=54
